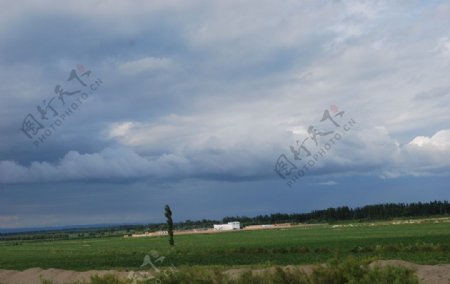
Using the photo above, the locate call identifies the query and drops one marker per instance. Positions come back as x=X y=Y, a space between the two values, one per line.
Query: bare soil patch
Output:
x=432 y=274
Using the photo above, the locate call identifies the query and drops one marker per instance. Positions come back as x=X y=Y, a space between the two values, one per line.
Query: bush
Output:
x=335 y=272
x=350 y=271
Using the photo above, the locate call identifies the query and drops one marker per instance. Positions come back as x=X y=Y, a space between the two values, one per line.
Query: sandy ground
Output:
x=436 y=274
x=56 y=276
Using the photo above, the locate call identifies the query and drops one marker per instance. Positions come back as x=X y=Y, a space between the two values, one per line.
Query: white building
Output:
x=228 y=227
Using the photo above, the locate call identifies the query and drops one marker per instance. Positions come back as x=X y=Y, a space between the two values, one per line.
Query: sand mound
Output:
x=436 y=274
x=57 y=276
x=432 y=274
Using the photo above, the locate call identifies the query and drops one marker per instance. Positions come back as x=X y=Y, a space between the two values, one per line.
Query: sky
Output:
x=111 y=109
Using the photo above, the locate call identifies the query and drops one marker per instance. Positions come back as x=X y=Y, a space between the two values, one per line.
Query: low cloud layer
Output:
x=367 y=152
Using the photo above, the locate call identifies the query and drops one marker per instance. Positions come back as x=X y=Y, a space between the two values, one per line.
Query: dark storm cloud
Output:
x=216 y=91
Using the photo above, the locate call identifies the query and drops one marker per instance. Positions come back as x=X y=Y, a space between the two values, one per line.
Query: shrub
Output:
x=336 y=271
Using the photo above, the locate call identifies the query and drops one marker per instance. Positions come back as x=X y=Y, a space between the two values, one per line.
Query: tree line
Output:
x=369 y=212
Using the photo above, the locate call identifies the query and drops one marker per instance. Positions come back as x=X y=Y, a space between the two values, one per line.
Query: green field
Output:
x=427 y=243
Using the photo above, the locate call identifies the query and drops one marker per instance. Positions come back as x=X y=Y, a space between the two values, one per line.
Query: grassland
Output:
x=420 y=243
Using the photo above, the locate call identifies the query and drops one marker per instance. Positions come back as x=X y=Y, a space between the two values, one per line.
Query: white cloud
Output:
x=144 y=64
x=226 y=152
x=443 y=47
x=108 y=163
x=440 y=140
x=331 y=182
x=121 y=129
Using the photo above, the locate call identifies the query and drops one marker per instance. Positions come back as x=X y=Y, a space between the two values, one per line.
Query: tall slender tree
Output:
x=168 y=214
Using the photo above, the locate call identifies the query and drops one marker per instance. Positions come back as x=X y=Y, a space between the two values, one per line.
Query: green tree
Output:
x=168 y=214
